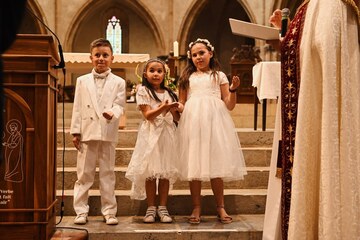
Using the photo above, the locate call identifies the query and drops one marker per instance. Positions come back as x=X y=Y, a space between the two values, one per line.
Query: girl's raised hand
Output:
x=235 y=83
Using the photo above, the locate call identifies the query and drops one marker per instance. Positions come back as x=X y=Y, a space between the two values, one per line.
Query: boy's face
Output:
x=101 y=58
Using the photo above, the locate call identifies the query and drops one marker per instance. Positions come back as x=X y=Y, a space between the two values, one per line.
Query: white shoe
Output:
x=111 y=219
x=164 y=215
x=81 y=219
x=150 y=215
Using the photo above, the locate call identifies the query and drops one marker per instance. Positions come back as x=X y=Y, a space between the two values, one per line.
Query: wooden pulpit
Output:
x=28 y=164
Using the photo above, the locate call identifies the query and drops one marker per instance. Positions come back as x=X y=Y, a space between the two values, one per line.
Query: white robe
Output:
x=325 y=200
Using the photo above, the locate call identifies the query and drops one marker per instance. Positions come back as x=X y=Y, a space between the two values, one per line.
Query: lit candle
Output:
x=176 y=49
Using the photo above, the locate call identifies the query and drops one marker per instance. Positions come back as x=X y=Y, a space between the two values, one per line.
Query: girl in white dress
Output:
x=154 y=155
x=209 y=146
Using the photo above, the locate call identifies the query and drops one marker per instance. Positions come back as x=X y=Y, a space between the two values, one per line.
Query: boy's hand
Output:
x=108 y=115
x=76 y=141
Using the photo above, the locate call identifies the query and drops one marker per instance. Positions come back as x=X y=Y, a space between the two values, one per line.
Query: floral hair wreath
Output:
x=200 y=40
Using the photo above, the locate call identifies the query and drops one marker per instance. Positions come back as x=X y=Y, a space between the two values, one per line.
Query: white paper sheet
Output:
x=253 y=30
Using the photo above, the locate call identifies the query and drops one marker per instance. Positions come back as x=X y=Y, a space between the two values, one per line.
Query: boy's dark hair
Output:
x=100 y=42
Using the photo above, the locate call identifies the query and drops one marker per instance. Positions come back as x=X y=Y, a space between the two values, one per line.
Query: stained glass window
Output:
x=114 y=35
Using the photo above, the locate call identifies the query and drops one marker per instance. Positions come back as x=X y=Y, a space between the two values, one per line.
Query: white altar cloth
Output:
x=267 y=78
x=79 y=62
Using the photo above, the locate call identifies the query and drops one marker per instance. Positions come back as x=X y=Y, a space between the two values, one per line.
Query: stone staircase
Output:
x=244 y=200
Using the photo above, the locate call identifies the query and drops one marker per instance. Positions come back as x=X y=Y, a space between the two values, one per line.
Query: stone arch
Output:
x=149 y=27
x=29 y=23
x=213 y=16
x=248 y=10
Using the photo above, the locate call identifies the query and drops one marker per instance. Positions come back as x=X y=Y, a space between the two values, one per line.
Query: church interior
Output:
x=149 y=28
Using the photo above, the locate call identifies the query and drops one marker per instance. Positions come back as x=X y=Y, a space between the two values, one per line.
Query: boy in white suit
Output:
x=98 y=104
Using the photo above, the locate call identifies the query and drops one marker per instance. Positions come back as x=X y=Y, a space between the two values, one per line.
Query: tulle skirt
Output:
x=154 y=157
x=208 y=143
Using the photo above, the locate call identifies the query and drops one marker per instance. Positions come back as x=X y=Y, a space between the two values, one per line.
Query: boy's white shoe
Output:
x=164 y=215
x=111 y=219
x=81 y=219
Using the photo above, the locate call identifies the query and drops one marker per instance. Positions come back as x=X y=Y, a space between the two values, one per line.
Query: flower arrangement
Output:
x=169 y=81
x=137 y=74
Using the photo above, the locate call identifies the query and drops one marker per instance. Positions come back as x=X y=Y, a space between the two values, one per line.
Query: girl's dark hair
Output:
x=150 y=88
x=214 y=64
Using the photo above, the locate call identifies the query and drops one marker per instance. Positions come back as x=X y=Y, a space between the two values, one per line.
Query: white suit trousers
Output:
x=91 y=152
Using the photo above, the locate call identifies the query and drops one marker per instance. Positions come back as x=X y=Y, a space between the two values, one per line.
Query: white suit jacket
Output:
x=87 y=118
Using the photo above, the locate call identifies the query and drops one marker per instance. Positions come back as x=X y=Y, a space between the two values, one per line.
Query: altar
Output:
x=76 y=64
x=266 y=80
x=81 y=63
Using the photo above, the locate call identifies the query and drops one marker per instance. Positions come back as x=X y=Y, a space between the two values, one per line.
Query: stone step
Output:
x=244 y=227
x=68 y=106
x=130 y=110
x=237 y=201
x=242 y=198
x=242 y=114
x=240 y=122
x=134 y=118
x=254 y=156
x=133 y=123
x=241 y=108
x=257 y=178
x=127 y=138
x=68 y=112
